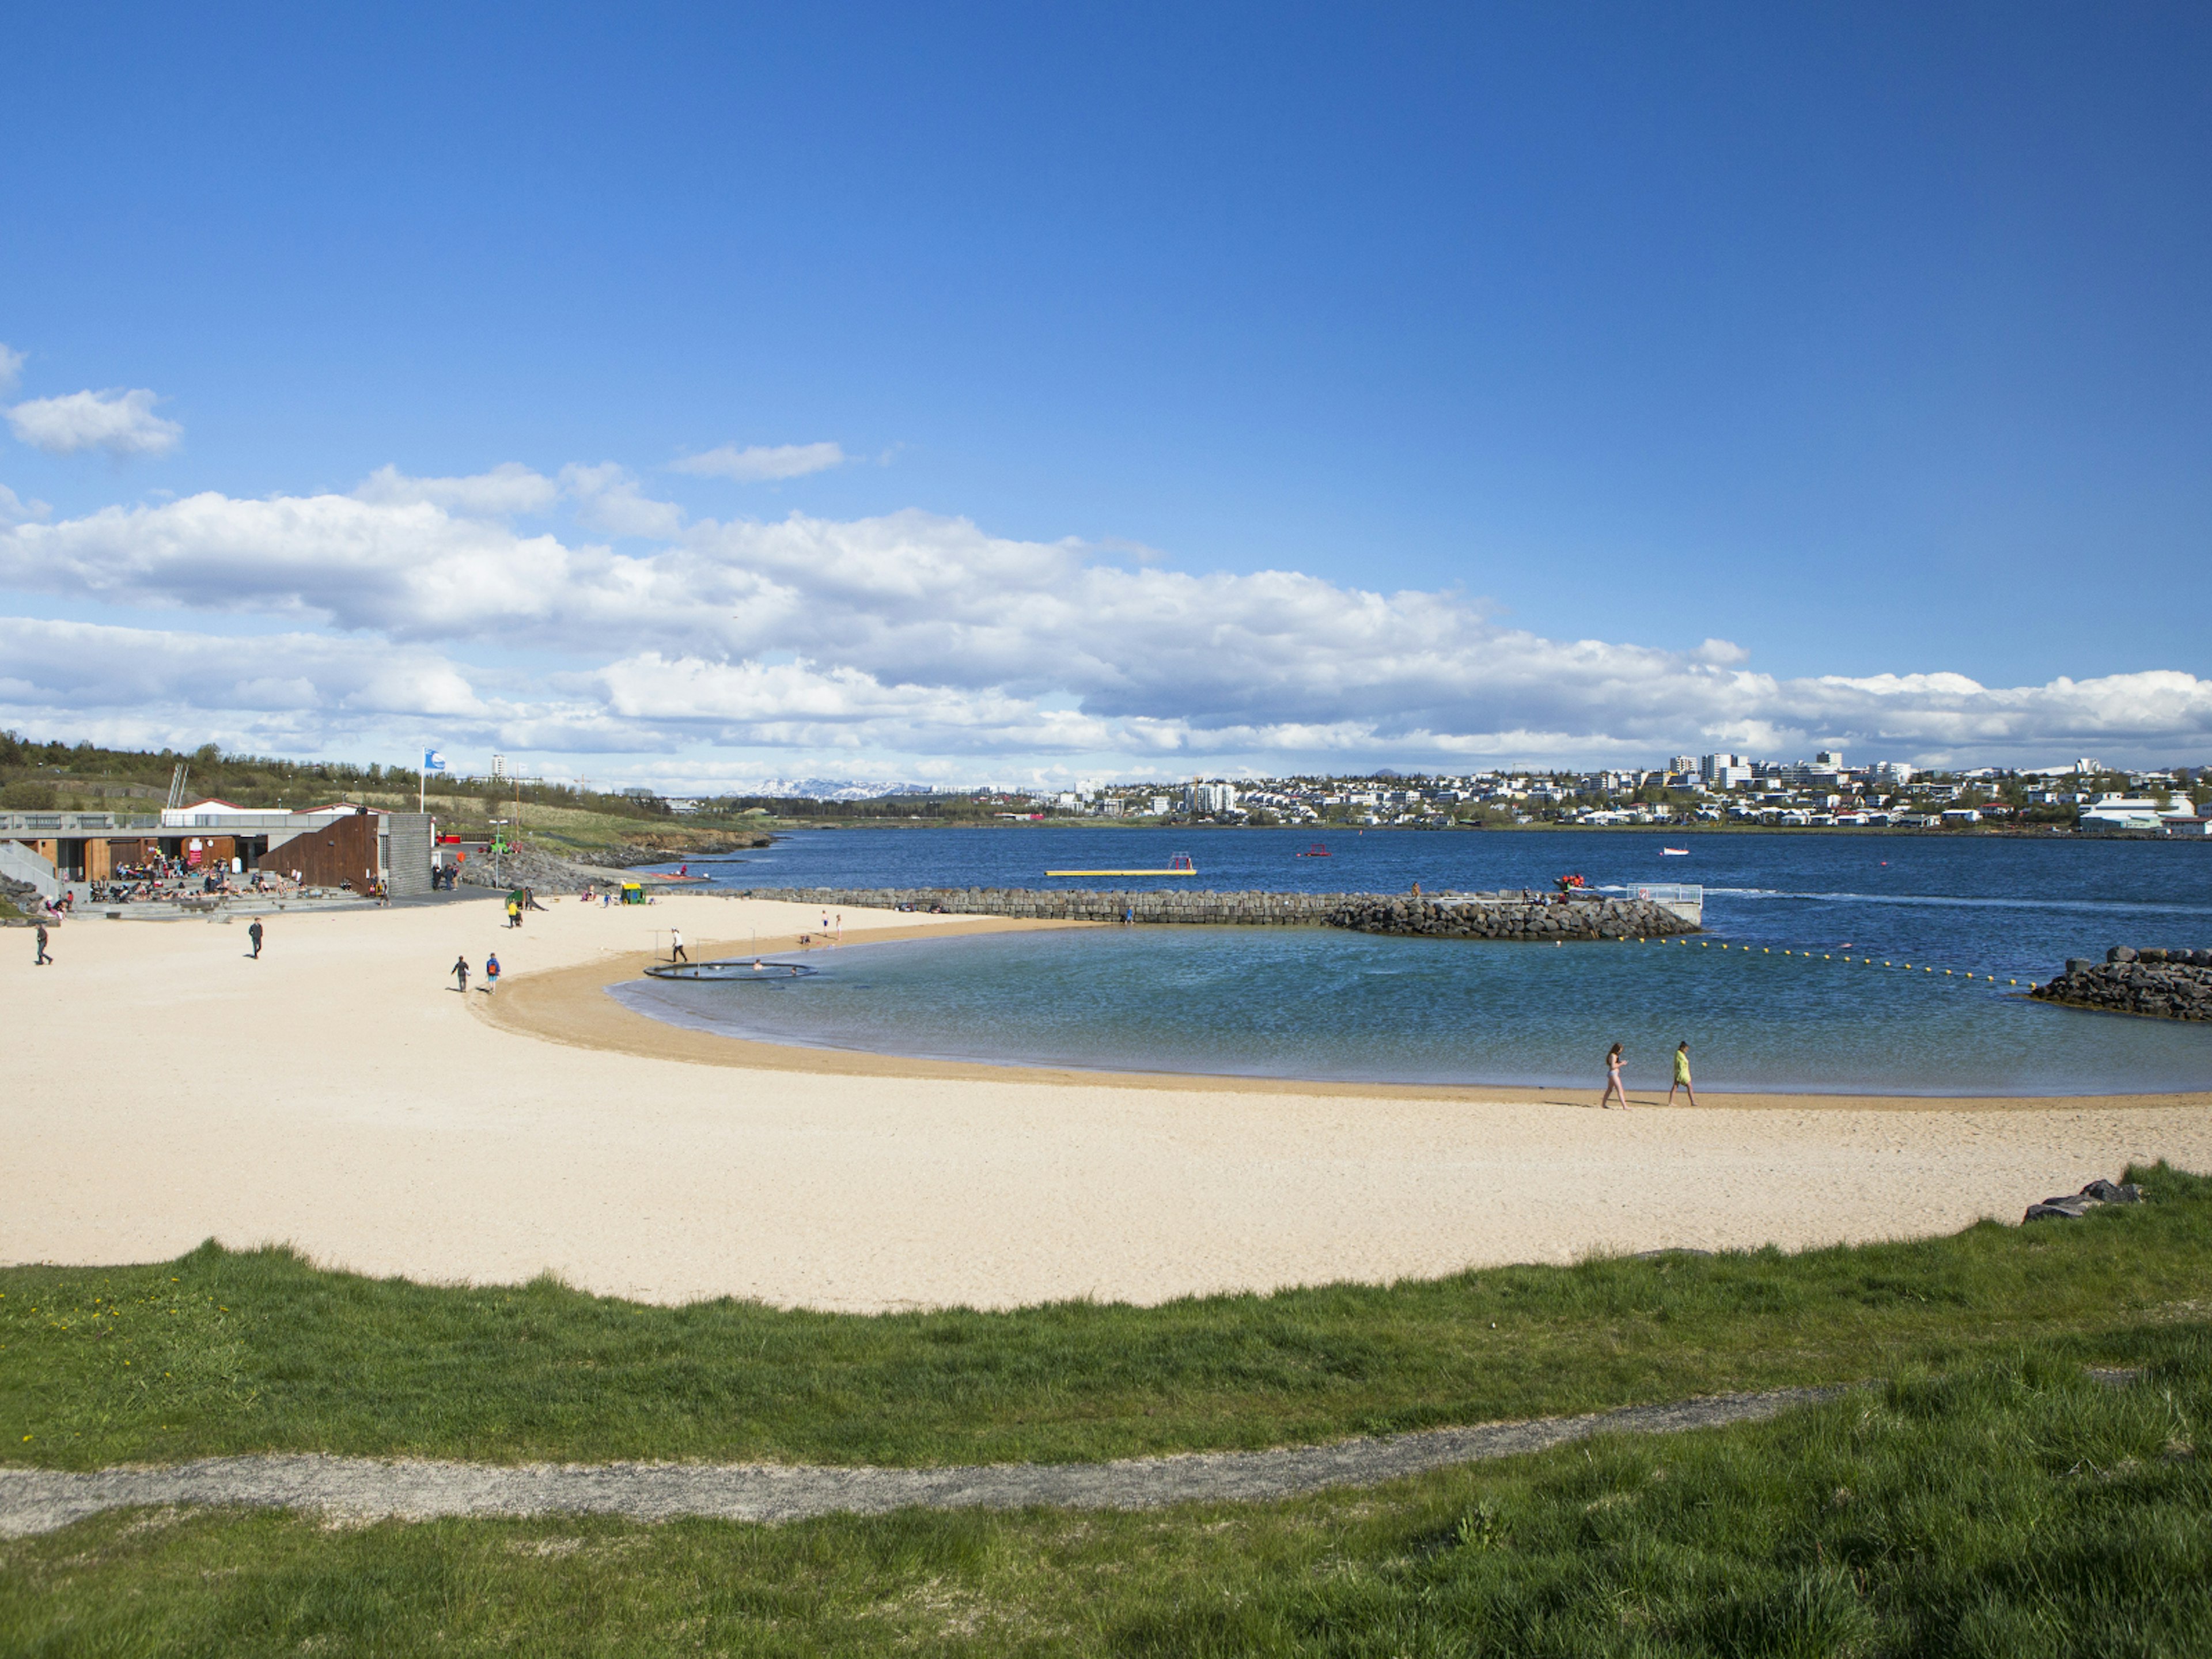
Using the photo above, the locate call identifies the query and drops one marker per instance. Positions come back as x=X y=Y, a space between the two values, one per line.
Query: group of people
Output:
x=460 y=973
x=171 y=879
x=1614 y=1091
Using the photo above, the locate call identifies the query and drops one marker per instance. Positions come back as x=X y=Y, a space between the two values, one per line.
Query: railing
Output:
x=1664 y=892
x=249 y=820
x=30 y=824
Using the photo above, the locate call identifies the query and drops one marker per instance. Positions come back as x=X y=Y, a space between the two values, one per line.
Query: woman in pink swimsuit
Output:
x=1613 y=1080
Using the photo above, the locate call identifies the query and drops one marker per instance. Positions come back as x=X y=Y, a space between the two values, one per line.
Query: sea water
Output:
x=1324 y=1004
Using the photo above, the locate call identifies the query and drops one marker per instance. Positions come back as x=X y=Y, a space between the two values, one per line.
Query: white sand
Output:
x=338 y=1095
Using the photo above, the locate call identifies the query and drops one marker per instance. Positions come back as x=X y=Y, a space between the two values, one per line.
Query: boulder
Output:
x=2120 y=953
x=2072 y=1206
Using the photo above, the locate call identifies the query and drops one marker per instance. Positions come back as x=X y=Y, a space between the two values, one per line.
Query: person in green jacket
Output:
x=1681 y=1075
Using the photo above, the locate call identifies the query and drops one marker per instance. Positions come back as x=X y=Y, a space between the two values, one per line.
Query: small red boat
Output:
x=1318 y=850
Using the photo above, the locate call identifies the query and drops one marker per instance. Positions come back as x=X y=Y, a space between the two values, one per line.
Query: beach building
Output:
x=338 y=845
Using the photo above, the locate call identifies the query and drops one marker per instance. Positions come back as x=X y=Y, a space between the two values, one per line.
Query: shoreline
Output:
x=572 y=1005
x=339 y=1095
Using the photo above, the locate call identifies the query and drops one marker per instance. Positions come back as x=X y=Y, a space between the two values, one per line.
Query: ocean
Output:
x=1327 y=1005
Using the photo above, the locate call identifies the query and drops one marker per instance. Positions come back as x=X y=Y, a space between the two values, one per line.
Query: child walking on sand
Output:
x=1613 y=1080
x=1681 y=1075
x=491 y=974
x=461 y=973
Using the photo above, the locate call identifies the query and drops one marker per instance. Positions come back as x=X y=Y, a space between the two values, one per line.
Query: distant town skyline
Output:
x=1131 y=395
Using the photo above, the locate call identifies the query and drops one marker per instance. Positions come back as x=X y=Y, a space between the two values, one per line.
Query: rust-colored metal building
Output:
x=342 y=853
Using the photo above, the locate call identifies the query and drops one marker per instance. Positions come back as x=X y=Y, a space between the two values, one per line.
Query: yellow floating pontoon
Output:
x=1180 y=865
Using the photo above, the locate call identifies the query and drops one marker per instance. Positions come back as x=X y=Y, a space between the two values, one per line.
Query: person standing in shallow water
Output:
x=1681 y=1075
x=1613 y=1080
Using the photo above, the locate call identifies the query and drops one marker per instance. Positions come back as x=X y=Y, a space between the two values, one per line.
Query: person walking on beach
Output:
x=1613 y=1080
x=1681 y=1075
x=461 y=974
x=491 y=973
x=254 y=934
x=676 y=951
x=44 y=960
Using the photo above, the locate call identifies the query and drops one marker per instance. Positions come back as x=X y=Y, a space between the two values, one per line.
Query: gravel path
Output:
x=45 y=1500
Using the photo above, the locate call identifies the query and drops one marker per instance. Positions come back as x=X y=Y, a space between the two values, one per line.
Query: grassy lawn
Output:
x=223 y=1352
x=2017 y=1508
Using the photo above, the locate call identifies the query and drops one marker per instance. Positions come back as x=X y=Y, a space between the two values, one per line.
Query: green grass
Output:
x=221 y=1353
x=2018 y=1509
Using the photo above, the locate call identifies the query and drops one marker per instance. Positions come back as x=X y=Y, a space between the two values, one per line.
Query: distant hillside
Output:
x=36 y=776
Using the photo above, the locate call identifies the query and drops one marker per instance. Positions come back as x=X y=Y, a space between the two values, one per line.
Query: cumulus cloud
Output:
x=11 y=366
x=918 y=636
x=607 y=498
x=15 y=510
x=95 y=665
x=761 y=462
x=121 y=422
x=507 y=488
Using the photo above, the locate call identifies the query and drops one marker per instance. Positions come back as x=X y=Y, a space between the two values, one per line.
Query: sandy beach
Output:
x=340 y=1096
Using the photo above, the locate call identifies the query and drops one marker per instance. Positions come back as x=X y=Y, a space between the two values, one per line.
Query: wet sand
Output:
x=341 y=1096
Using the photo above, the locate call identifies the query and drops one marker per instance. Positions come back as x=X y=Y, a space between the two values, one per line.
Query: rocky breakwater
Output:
x=2162 y=984
x=1481 y=915
x=1510 y=917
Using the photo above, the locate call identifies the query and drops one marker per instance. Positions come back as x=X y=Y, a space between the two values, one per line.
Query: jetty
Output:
x=1635 y=913
x=2159 y=983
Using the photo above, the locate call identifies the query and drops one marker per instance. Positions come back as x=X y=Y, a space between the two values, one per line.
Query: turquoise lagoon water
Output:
x=1317 y=1003
x=1327 y=1005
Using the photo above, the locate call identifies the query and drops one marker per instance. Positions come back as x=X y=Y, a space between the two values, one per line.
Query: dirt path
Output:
x=42 y=1500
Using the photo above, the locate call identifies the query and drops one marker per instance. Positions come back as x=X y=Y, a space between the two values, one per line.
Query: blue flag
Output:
x=433 y=761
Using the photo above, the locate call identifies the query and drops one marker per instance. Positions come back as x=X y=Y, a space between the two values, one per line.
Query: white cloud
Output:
x=761 y=462
x=15 y=510
x=508 y=487
x=916 y=635
x=11 y=366
x=607 y=498
x=121 y=422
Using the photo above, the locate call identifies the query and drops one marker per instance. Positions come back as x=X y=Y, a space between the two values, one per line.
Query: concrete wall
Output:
x=21 y=863
x=406 y=852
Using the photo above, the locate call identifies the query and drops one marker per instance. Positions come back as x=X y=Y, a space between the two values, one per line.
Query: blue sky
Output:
x=1213 y=389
